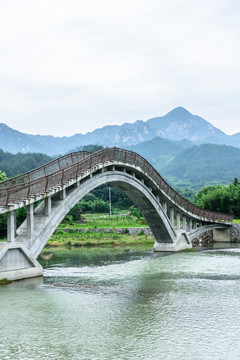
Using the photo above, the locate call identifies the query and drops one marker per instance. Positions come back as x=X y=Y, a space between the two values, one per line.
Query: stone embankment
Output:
x=131 y=230
x=235 y=232
x=203 y=239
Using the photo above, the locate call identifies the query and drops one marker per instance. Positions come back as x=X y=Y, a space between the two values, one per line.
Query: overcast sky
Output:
x=70 y=66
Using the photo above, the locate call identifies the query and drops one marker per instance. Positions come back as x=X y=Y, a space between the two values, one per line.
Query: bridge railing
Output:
x=46 y=169
x=64 y=173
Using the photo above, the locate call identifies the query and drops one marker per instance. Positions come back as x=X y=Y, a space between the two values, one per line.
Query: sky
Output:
x=71 y=66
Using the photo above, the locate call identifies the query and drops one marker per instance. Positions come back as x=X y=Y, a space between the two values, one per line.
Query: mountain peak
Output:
x=179 y=110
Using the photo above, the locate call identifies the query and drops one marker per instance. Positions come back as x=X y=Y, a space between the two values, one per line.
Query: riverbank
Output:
x=98 y=230
x=90 y=237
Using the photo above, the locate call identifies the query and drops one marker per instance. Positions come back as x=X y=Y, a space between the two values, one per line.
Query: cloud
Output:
x=91 y=63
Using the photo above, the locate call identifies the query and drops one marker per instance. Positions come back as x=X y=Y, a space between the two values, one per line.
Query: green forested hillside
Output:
x=180 y=163
x=159 y=151
x=15 y=164
x=203 y=165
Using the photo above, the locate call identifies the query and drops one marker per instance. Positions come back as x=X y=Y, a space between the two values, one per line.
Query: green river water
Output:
x=107 y=304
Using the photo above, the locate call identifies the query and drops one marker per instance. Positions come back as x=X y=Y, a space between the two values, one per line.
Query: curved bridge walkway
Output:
x=60 y=184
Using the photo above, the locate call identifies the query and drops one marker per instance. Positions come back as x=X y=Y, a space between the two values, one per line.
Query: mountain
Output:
x=202 y=165
x=235 y=137
x=159 y=151
x=178 y=124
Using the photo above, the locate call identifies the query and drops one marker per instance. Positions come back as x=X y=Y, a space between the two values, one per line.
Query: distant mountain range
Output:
x=184 y=164
x=179 y=124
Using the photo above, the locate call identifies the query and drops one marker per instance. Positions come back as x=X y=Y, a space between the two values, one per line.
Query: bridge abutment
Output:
x=181 y=242
x=16 y=262
x=221 y=235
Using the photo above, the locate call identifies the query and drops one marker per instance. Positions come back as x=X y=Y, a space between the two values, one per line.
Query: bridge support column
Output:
x=194 y=224
x=189 y=224
x=200 y=224
x=178 y=221
x=62 y=194
x=48 y=205
x=30 y=220
x=164 y=205
x=184 y=222
x=172 y=216
x=11 y=225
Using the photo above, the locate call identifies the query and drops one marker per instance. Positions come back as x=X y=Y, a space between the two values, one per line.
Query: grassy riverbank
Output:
x=103 y=221
x=99 y=239
x=77 y=239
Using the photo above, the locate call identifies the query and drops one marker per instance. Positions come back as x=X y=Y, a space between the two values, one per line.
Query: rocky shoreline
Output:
x=130 y=230
x=204 y=239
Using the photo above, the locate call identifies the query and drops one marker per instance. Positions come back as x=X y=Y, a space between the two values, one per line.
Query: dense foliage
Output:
x=223 y=198
x=203 y=165
x=15 y=164
x=2 y=176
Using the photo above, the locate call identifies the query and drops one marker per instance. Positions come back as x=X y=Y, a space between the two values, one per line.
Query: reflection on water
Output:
x=125 y=304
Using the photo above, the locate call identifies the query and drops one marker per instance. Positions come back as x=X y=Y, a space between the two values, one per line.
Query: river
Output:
x=108 y=304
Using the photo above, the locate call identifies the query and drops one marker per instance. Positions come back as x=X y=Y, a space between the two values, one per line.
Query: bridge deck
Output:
x=71 y=166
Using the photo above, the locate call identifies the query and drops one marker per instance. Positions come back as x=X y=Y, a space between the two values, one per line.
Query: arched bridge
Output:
x=61 y=183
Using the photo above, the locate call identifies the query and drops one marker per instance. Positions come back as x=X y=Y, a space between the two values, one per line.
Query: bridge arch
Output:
x=134 y=188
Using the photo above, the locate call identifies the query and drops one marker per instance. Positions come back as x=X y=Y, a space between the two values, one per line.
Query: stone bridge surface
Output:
x=58 y=185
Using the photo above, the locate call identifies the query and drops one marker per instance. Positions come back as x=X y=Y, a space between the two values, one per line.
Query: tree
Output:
x=222 y=198
x=2 y=176
x=235 y=181
x=92 y=148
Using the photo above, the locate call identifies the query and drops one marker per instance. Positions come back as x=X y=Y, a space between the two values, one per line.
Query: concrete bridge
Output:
x=50 y=191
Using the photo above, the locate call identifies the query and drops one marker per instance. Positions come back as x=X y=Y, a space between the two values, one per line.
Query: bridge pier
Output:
x=189 y=224
x=172 y=216
x=164 y=206
x=11 y=225
x=181 y=242
x=48 y=205
x=184 y=220
x=178 y=217
x=30 y=220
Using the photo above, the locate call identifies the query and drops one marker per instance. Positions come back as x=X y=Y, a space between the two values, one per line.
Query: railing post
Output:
x=28 y=191
x=46 y=185
x=8 y=193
